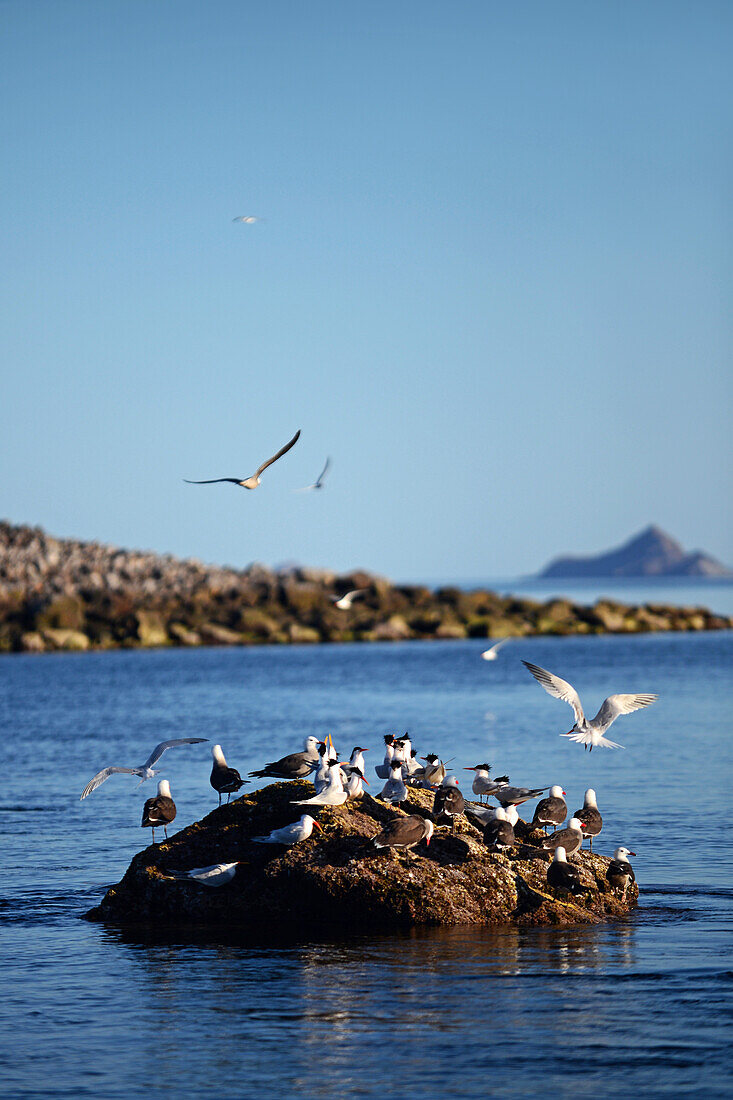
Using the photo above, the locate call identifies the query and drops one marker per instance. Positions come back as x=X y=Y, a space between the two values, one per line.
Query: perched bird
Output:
x=291 y=834
x=585 y=732
x=322 y=775
x=511 y=814
x=569 y=838
x=482 y=784
x=145 y=771
x=563 y=875
x=493 y=652
x=506 y=795
x=620 y=872
x=551 y=810
x=394 y=790
x=434 y=771
x=404 y=833
x=344 y=602
x=411 y=769
x=160 y=810
x=354 y=785
x=383 y=770
x=402 y=749
x=356 y=760
x=318 y=483
x=223 y=779
x=483 y=813
x=218 y=874
x=247 y=219
x=297 y=765
x=253 y=481
x=333 y=794
x=449 y=801
x=590 y=815
x=499 y=833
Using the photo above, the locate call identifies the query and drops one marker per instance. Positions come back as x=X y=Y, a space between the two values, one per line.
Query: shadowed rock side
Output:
x=338 y=880
x=63 y=594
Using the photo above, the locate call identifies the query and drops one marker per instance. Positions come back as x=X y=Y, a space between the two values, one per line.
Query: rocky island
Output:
x=338 y=881
x=65 y=594
x=651 y=553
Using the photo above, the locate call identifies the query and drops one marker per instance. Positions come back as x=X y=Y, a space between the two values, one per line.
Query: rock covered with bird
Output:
x=362 y=864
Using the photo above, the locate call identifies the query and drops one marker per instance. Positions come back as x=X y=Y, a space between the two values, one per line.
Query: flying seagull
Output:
x=585 y=732
x=318 y=483
x=345 y=602
x=492 y=653
x=253 y=481
x=145 y=771
x=248 y=219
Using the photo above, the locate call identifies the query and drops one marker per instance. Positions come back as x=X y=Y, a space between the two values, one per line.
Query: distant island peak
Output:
x=651 y=553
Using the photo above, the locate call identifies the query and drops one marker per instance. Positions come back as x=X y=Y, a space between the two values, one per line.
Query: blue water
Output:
x=94 y=1011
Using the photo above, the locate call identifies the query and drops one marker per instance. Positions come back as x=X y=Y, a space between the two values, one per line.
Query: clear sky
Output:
x=493 y=279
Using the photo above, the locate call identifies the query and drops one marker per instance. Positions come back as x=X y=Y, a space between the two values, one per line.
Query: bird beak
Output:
x=473 y=770
x=318 y=826
x=632 y=853
x=366 y=780
x=564 y=792
x=427 y=843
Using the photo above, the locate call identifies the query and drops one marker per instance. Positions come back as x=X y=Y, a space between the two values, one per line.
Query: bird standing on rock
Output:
x=223 y=779
x=449 y=801
x=296 y=765
x=570 y=838
x=499 y=833
x=291 y=834
x=404 y=833
x=551 y=810
x=620 y=872
x=563 y=875
x=590 y=815
x=333 y=794
x=394 y=789
x=434 y=771
x=160 y=810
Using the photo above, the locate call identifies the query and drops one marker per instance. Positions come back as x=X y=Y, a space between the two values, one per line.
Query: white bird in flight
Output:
x=589 y=732
x=253 y=481
x=345 y=602
x=318 y=483
x=492 y=653
x=247 y=219
x=145 y=771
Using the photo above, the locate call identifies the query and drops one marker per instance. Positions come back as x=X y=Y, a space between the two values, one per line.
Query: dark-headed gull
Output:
x=253 y=481
x=296 y=765
x=589 y=732
x=145 y=771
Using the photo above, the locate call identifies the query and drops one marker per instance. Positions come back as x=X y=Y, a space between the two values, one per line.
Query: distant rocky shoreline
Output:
x=64 y=594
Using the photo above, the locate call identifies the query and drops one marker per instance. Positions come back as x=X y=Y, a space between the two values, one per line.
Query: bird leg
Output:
x=153 y=832
x=165 y=830
x=219 y=798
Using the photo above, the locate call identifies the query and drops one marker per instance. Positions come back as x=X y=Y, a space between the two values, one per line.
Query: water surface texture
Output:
x=107 y=1013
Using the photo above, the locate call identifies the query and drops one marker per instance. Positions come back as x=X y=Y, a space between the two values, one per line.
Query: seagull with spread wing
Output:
x=318 y=483
x=589 y=732
x=493 y=652
x=145 y=771
x=253 y=481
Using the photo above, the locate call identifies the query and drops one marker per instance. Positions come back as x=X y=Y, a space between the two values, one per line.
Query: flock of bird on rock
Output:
x=335 y=782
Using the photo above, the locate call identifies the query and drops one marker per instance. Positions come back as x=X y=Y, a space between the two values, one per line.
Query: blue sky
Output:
x=491 y=281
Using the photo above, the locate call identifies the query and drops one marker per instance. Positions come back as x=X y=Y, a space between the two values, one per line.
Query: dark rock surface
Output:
x=651 y=553
x=338 y=880
x=63 y=594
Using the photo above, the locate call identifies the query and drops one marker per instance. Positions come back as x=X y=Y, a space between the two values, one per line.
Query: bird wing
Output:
x=323 y=472
x=100 y=777
x=497 y=647
x=160 y=749
x=561 y=689
x=620 y=704
x=279 y=454
x=214 y=480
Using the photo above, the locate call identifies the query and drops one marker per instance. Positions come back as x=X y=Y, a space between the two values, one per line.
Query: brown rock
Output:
x=65 y=639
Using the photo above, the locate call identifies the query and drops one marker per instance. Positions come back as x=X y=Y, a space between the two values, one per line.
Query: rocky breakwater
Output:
x=337 y=880
x=64 y=594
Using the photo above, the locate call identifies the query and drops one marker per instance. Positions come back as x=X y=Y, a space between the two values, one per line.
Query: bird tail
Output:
x=262 y=840
x=587 y=740
x=608 y=744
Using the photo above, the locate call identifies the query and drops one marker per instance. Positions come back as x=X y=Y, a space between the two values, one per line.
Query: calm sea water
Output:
x=101 y=1012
